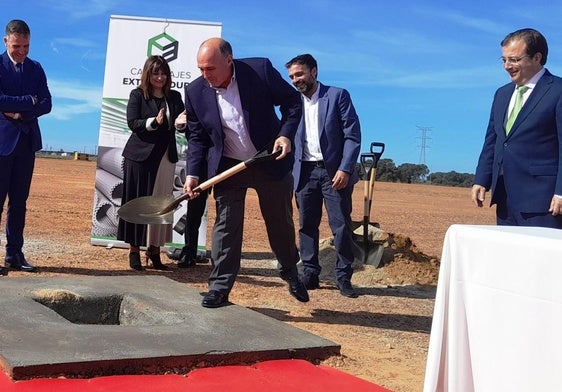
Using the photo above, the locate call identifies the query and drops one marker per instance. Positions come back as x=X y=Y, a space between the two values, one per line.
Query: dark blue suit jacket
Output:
x=16 y=98
x=261 y=89
x=530 y=154
x=340 y=134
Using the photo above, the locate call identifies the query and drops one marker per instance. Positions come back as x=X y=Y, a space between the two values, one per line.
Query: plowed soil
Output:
x=384 y=333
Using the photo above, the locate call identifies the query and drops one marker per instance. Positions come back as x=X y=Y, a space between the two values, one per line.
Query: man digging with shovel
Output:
x=327 y=146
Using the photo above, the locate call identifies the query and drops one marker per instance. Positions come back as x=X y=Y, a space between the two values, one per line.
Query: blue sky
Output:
x=409 y=66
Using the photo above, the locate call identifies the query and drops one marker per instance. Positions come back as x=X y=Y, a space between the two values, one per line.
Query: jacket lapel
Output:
x=210 y=103
x=322 y=107
x=14 y=78
x=543 y=85
x=244 y=89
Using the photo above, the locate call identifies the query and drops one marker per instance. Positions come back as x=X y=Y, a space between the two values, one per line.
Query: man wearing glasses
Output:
x=520 y=160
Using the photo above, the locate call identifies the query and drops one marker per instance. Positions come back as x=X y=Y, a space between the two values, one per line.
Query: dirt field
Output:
x=384 y=333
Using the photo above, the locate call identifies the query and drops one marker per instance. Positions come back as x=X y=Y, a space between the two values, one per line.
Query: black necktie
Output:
x=19 y=72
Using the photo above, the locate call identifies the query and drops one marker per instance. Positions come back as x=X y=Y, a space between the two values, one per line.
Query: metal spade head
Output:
x=147 y=210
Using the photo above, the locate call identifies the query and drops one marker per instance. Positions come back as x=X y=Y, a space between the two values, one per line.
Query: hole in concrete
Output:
x=106 y=309
x=102 y=310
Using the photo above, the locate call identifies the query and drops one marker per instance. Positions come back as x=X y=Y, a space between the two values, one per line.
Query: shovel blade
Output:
x=372 y=256
x=368 y=249
x=146 y=210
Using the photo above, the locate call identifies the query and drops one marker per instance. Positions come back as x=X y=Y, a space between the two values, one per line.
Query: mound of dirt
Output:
x=402 y=263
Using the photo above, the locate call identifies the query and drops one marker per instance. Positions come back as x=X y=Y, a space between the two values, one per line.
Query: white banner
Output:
x=130 y=41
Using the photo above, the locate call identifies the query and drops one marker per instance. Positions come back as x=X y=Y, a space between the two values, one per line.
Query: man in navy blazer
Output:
x=521 y=163
x=327 y=147
x=24 y=96
x=231 y=116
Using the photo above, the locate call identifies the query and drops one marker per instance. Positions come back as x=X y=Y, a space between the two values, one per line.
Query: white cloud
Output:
x=74 y=42
x=71 y=98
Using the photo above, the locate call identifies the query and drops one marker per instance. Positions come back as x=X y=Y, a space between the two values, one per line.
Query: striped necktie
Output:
x=516 y=108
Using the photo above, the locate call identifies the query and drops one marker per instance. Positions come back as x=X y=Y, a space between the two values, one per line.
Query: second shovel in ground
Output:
x=366 y=250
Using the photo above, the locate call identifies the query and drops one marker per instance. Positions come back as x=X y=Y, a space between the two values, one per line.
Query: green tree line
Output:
x=410 y=173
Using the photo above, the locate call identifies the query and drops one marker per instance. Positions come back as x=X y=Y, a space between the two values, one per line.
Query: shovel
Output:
x=369 y=254
x=160 y=209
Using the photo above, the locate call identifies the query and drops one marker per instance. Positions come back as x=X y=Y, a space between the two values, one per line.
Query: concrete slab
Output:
x=91 y=326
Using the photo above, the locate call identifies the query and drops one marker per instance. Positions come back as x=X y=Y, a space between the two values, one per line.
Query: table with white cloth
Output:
x=497 y=322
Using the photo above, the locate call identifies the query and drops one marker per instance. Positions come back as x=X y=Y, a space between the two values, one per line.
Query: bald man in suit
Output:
x=231 y=115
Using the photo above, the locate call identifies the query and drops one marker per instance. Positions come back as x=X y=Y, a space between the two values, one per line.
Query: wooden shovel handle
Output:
x=220 y=177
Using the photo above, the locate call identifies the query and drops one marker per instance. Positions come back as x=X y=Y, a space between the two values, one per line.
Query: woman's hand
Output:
x=181 y=121
x=160 y=116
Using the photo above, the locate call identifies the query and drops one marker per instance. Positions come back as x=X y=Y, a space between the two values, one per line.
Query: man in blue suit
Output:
x=231 y=115
x=327 y=147
x=24 y=96
x=520 y=160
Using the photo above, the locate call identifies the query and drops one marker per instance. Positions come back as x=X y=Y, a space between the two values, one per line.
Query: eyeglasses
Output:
x=512 y=60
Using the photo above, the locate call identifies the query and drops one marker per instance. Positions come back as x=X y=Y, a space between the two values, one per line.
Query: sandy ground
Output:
x=384 y=333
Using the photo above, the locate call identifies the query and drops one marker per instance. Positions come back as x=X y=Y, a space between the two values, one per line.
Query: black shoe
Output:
x=18 y=262
x=311 y=281
x=297 y=289
x=346 y=289
x=215 y=299
x=186 y=260
x=3 y=271
x=135 y=261
x=153 y=254
x=186 y=263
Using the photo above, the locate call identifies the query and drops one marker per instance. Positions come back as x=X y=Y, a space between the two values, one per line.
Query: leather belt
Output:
x=314 y=163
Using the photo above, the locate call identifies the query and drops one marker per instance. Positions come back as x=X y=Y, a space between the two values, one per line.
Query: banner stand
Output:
x=130 y=41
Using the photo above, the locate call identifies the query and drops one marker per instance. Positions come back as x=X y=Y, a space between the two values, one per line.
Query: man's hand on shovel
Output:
x=190 y=184
x=284 y=144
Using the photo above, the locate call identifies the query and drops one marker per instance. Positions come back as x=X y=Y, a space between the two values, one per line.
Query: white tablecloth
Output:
x=497 y=322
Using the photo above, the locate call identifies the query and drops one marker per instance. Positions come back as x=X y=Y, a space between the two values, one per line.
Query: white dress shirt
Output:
x=311 y=150
x=237 y=142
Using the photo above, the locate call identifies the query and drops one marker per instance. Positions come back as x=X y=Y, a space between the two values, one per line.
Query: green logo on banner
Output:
x=163 y=45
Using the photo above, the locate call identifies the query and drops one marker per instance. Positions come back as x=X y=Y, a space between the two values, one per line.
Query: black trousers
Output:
x=195 y=211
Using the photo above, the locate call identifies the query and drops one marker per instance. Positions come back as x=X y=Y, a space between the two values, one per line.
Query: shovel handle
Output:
x=261 y=156
x=201 y=187
x=368 y=162
x=220 y=177
x=377 y=148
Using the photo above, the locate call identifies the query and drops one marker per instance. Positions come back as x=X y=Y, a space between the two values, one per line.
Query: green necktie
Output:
x=516 y=108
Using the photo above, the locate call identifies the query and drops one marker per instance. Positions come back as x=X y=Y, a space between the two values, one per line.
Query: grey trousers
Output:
x=275 y=200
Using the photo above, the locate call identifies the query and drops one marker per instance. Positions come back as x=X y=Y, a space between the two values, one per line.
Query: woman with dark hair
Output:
x=150 y=156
